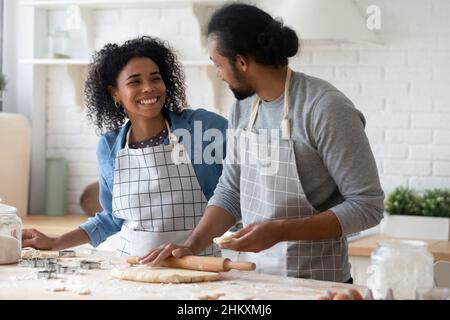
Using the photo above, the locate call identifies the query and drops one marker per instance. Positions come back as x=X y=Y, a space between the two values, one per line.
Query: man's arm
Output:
x=324 y=225
x=215 y=222
x=263 y=235
x=338 y=131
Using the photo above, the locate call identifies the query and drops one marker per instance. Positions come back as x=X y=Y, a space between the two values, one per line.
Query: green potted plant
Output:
x=424 y=215
x=436 y=203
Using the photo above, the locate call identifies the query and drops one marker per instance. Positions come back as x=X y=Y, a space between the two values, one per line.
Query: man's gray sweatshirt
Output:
x=334 y=160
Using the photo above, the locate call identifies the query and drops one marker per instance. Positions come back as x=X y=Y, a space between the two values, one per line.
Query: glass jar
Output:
x=10 y=235
x=400 y=265
x=58 y=44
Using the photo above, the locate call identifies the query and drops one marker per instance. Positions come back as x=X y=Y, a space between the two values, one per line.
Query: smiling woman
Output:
x=140 y=90
x=135 y=95
x=120 y=71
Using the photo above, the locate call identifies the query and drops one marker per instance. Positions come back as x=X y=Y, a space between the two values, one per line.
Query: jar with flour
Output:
x=10 y=235
x=402 y=266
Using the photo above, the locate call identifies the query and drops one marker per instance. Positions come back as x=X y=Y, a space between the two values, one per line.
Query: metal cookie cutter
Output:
x=68 y=269
x=86 y=264
x=45 y=274
x=67 y=253
x=35 y=262
x=39 y=262
x=51 y=265
x=27 y=263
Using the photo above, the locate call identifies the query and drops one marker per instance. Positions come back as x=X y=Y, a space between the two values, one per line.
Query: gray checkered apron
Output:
x=278 y=194
x=157 y=194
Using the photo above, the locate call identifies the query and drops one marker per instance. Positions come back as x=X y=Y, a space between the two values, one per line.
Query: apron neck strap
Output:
x=172 y=137
x=285 y=127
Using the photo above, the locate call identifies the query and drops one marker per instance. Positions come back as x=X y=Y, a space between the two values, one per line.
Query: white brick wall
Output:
x=68 y=133
x=401 y=86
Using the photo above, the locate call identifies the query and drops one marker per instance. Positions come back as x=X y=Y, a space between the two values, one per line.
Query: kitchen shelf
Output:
x=103 y=4
x=78 y=62
x=85 y=62
x=200 y=9
x=77 y=71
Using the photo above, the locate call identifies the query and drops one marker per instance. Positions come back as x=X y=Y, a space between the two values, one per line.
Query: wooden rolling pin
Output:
x=215 y=264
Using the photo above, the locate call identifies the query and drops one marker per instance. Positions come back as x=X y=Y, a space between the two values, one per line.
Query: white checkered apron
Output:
x=160 y=201
x=280 y=195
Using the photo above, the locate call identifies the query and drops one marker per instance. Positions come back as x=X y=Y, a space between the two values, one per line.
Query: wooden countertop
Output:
x=53 y=226
x=363 y=247
x=22 y=283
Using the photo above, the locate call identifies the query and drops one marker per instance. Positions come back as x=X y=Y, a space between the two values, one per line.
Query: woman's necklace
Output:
x=154 y=141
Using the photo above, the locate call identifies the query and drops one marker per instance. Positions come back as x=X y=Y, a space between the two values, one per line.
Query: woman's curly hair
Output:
x=108 y=63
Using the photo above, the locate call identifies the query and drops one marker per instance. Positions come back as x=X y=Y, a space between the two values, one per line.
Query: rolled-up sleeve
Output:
x=103 y=225
x=343 y=145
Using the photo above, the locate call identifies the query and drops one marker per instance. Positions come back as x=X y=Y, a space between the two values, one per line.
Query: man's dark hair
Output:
x=106 y=66
x=249 y=31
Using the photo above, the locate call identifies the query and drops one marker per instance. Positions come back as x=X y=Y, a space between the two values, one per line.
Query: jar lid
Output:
x=7 y=209
x=401 y=243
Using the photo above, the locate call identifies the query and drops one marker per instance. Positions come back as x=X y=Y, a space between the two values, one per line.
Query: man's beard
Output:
x=241 y=94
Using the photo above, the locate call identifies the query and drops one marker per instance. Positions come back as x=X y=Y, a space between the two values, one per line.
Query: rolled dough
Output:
x=208 y=295
x=163 y=275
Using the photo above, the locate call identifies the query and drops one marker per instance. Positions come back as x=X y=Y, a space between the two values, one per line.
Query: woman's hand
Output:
x=35 y=239
x=158 y=254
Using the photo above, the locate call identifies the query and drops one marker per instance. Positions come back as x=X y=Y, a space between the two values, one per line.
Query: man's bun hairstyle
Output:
x=277 y=43
x=249 y=31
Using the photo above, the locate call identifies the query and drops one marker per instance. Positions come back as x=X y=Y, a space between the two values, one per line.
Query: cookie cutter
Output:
x=86 y=264
x=45 y=274
x=67 y=253
x=37 y=262
x=27 y=263
x=68 y=269
x=51 y=265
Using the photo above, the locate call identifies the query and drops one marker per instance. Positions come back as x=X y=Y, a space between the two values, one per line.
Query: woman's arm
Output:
x=35 y=239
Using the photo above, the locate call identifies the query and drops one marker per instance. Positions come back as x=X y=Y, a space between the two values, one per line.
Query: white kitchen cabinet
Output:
x=207 y=93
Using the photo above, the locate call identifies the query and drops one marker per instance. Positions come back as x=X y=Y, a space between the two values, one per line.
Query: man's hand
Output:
x=255 y=237
x=35 y=239
x=158 y=254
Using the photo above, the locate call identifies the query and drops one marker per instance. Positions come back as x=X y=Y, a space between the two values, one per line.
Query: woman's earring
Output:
x=117 y=104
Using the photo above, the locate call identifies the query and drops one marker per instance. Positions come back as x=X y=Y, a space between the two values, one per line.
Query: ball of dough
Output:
x=223 y=239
